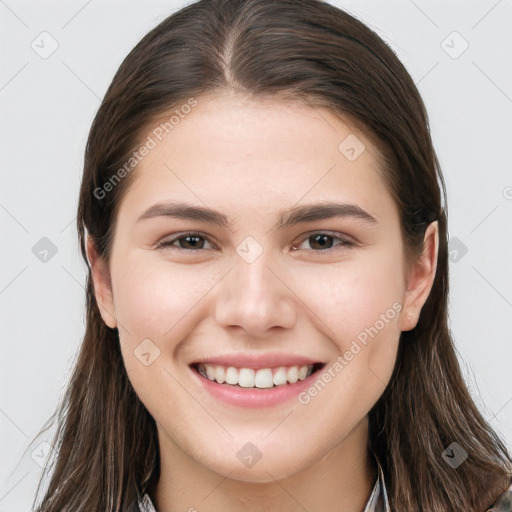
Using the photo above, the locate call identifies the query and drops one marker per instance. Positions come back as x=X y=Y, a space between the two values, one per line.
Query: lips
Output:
x=260 y=371
x=255 y=380
x=260 y=393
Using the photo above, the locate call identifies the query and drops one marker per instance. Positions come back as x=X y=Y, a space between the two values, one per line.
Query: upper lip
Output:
x=255 y=361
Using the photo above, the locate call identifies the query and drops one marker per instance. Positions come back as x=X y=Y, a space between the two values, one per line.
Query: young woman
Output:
x=261 y=212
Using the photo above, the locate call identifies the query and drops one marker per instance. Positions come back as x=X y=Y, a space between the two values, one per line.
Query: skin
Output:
x=249 y=159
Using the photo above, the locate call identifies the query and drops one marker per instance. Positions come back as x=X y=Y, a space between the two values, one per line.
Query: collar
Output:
x=377 y=502
x=504 y=502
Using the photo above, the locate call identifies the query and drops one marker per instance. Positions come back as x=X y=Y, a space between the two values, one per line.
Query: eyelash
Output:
x=345 y=242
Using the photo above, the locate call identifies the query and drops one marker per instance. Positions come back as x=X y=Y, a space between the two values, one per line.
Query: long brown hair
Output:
x=310 y=51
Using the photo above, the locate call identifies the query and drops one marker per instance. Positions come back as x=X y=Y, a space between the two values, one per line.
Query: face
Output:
x=272 y=285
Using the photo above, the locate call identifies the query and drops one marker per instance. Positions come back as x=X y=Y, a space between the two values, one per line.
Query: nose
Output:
x=256 y=297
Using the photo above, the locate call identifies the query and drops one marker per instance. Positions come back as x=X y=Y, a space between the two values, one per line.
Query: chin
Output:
x=276 y=465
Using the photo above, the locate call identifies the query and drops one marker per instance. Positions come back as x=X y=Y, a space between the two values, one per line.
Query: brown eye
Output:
x=325 y=242
x=186 y=242
x=320 y=241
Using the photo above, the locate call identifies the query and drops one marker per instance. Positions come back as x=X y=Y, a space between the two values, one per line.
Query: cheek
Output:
x=357 y=307
x=349 y=298
x=157 y=307
x=155 y=300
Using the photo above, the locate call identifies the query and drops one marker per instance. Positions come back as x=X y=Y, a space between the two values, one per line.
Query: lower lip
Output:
x=255 y=397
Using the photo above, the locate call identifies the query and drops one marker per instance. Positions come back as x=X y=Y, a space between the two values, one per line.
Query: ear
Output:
x=102 y=284
x=421 y=279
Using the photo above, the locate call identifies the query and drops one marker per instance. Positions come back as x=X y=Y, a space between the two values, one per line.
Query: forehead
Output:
x=253 y=155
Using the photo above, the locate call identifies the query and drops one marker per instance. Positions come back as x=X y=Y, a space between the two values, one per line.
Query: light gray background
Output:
x=47 y=106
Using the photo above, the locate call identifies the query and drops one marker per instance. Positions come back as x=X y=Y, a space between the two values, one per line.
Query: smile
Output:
x=262 y=378
x=254 y=388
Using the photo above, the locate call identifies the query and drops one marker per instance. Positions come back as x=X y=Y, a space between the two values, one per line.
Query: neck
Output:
x=341 y=481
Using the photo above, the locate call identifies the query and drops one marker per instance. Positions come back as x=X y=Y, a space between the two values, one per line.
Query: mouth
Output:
x=256 y=378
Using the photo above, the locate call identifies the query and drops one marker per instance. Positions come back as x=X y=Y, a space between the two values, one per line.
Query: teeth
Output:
x=249 y=378
x=246 y=378
x=303 y=371
x=292 y=374
x=219 y=374
x=280 y=376
x=263 y=378
x=231 y=375
x=210 y=372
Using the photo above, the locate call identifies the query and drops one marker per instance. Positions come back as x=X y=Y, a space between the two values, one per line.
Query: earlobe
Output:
x=102 y=285
x=421 y=279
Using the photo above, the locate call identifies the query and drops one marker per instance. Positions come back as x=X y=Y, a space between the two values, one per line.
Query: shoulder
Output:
x=503 y=503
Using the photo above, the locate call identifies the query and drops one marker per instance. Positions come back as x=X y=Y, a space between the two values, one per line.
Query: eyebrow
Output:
x=291 y=217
